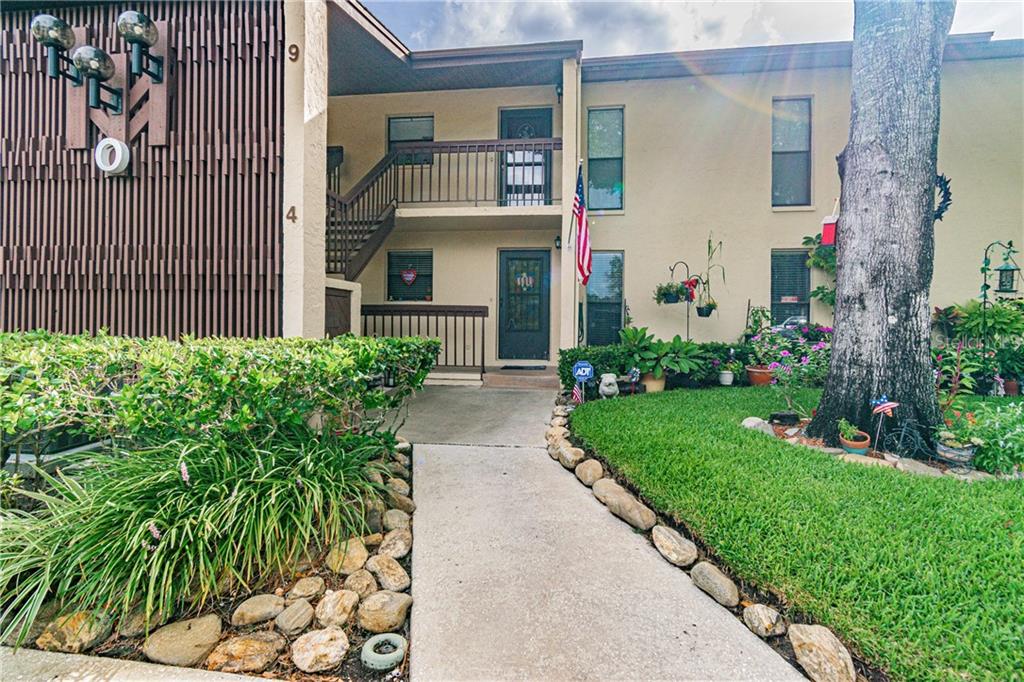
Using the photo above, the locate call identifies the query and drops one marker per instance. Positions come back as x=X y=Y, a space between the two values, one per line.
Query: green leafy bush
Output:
x=1000 y=429
x=614 y=358
x=1002 y=322
x=173 y=525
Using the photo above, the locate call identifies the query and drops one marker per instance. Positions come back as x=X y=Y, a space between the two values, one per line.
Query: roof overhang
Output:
x=773 y=58
x=364 y=57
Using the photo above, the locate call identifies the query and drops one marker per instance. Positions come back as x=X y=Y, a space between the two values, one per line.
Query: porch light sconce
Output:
x=141 y=33
x=558 y=91
x=558 y=242
x=57 y=37
x=97 y=67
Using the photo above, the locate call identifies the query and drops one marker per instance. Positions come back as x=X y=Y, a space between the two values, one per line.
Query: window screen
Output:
x=791 y=284
x=604 y=299
x=410 y=276
x=791 y=152
x=604 y=159
x=411 y=129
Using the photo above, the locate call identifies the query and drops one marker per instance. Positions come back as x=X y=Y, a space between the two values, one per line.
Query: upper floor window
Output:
x=411 y=129
x=604 y=158
x=791 y=152
x=410 y=276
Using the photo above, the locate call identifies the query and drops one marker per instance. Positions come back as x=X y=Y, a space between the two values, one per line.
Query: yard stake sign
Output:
x=883 y=407
x=583 y=372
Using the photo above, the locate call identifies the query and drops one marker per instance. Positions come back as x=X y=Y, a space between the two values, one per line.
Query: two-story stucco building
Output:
x=431 y=192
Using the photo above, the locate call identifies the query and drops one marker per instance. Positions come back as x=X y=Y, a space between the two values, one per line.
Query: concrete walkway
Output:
x=520 y=573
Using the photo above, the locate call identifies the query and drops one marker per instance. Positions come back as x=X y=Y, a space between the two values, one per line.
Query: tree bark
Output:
x=885 y=238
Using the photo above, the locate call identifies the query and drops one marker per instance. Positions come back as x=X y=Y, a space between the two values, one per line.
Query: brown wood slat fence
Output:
x=459 y=327
x=188 y=242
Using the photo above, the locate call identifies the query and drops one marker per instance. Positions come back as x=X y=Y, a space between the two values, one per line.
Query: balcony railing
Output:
x=521 y=172
x=459 y=327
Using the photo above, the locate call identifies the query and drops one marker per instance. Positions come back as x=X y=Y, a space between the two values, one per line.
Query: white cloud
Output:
x=609 y=28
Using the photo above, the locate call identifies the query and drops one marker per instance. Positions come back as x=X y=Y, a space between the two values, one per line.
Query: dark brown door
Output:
x=524 y=305
x=525 y=175
x=338 y=310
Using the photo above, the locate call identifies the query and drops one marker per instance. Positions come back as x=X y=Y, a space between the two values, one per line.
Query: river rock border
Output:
x=815 y=648
x=314 y=622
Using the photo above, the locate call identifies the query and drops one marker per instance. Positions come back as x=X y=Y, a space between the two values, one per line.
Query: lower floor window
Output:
x=410 y=276
x=791 y=284
x=604 y=298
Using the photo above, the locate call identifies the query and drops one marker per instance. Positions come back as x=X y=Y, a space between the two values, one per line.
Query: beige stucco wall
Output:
x=698 y=161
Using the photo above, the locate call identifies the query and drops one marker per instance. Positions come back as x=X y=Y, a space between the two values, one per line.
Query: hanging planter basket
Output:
x=705 y=310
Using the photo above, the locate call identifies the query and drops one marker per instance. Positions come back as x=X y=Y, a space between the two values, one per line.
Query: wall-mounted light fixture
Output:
x=141 y=33
x=57 y=37
x=558 y=242
x=558 y=91
x=97 y=67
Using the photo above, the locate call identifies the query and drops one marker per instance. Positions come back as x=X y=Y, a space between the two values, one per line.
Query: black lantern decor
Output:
x=97 y=67
x=1008 y=273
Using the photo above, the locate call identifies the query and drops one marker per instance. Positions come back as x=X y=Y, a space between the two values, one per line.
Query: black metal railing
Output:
x=460 y=328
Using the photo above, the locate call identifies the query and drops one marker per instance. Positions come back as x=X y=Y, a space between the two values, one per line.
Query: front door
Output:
x=524 y=305
x=525 y=176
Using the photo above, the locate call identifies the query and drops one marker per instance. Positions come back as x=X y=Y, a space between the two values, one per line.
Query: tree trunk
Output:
x=885 y=238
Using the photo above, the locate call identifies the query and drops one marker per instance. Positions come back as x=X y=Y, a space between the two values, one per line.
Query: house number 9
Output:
x=293 y=52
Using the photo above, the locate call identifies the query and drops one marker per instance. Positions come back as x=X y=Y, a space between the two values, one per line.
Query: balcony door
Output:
x=525 y=175
x=524 y=305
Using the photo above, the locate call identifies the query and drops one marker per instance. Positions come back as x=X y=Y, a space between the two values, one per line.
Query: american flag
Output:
x=584 y=257
x=577 y=394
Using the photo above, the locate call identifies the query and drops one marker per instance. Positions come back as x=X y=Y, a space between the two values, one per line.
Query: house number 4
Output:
x=290 y=215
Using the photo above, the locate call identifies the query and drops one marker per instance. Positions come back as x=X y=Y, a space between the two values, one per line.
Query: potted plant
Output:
x=727 y=372
x=669 y=292
x=956 y=441
x=706 y=302
x=765 y=351
x=705 y=305
x=852 y=439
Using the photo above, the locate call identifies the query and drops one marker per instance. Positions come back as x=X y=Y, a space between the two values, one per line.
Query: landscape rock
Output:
x=401 y=458
x=399 y=501
x=75 y=632
x=821 y=654
x=621 y=503
x=251 y=653
x=708 y=578
x=397 y=543
x=864 y=459
x=306 y=588
x=384 y=611
x=336 y=607
x=347 y=557
x=556 y=432
x=561 y=411
x=403 y=447
x=295 y=618
x=258 y=609
x=399 y=486
x=397 y=469
x=320 y=650
x=555 y=446
x=589 y=472
x=185 y=643
x=758 y=424
x=569 y=457
x=134 y=624
x=396 y=518
x=674 y=547
x=559 y=421
x=373 y=540
x=362 y=583
x=764 y=621
x=914 y=466
x=47 y=612
x=374 y=519
x=375 y=477
x=388 y=572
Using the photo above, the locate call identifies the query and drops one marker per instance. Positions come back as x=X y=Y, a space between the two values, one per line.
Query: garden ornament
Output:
x=609 y=387
x=387 y=660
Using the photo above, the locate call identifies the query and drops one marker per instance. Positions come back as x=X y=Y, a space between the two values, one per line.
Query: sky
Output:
x=639 y=26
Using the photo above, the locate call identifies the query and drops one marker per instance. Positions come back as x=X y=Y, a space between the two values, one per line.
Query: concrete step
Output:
x=518 y=378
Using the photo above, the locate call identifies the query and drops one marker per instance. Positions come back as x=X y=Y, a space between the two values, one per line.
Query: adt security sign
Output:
x=583 y=371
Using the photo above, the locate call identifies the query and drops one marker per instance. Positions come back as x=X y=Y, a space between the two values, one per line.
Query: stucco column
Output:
x=570 y=161
x=303 y=221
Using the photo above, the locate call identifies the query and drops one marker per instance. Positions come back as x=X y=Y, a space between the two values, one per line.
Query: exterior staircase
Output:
x=360 y=221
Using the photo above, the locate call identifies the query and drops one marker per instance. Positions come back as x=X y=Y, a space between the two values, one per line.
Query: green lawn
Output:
x=924 y=577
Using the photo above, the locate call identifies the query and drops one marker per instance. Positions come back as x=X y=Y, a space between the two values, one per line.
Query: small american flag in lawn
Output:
x=584 y=256
x=577 y=394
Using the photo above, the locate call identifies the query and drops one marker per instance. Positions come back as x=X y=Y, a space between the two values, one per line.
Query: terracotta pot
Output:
x=1011 y=387
x=759 y=375
x=856 y=447
x=652 y=385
